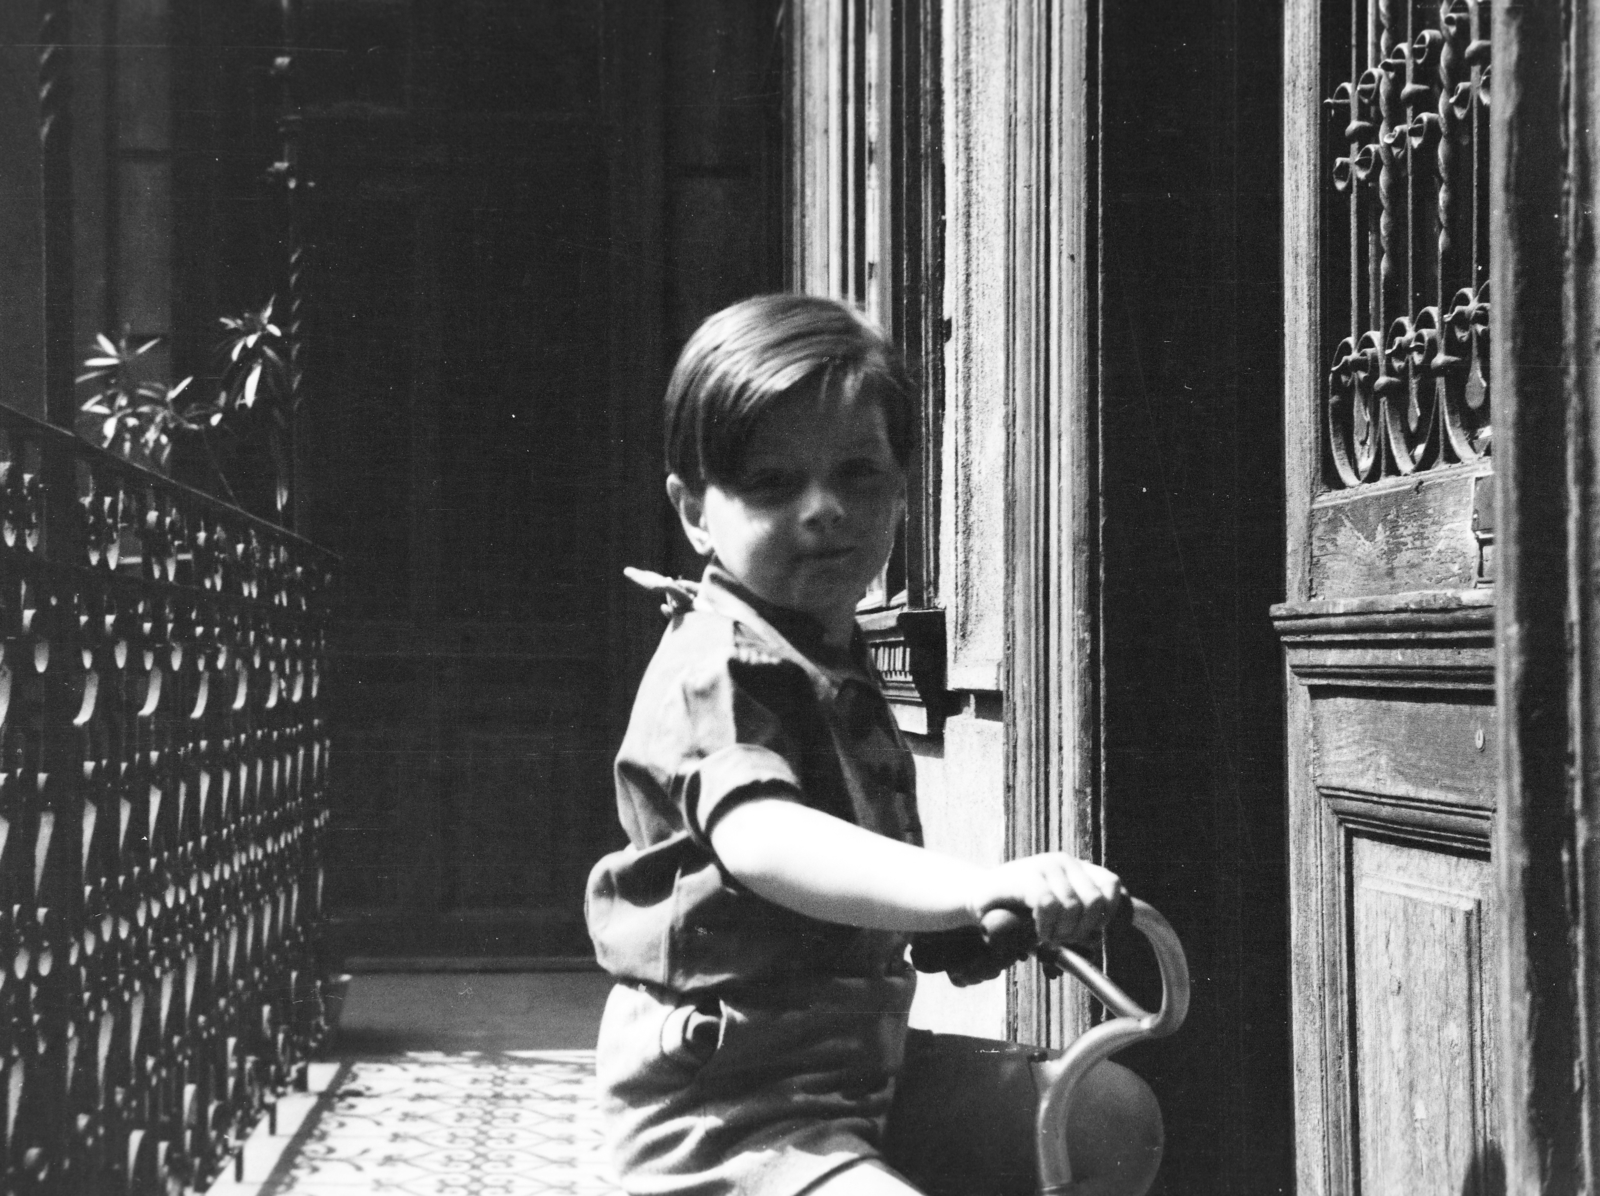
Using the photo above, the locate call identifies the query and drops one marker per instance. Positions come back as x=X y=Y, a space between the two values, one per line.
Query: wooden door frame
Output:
x=1052 y=613
x=1544 y=321
x=1302 y=207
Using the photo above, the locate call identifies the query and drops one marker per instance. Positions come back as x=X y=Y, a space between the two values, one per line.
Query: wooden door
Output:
x=1389 y=627
x=459 y=464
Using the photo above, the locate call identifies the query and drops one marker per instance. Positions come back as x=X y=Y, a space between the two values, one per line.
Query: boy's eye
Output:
x=862 y=469
x=769 y=483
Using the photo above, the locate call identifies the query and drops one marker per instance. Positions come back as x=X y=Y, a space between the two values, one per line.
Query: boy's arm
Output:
x=827 y=868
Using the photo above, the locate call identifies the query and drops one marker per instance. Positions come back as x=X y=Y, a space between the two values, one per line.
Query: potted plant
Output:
x=140 y=418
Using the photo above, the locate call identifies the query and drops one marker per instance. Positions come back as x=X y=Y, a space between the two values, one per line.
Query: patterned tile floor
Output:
x=460 y=1123
x=453 y=1084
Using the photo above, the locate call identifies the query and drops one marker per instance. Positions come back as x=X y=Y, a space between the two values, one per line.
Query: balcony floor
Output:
x=456 y=1084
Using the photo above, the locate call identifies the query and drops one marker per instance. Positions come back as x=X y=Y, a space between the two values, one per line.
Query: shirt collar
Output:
x=788 y=633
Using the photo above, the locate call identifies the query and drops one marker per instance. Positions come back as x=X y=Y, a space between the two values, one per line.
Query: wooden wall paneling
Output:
x=1545 y=317
x=972 y=533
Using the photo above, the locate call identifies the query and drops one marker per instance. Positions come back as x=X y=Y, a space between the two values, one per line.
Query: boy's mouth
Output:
x=825 y=555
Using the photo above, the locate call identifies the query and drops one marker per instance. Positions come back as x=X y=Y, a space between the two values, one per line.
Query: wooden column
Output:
x=1546 y=317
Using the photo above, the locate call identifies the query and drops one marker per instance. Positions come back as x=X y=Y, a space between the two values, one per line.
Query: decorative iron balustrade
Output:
x=163 y=759
x=1408 y=386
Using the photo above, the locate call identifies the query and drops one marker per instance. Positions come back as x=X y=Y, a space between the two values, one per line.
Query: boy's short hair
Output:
x=748 y=356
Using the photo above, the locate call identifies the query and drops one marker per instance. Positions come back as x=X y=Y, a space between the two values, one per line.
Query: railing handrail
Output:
x=68 y=439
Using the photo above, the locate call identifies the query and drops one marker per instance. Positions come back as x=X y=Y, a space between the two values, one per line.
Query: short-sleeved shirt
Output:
x=749 y=1050
x=743 y=700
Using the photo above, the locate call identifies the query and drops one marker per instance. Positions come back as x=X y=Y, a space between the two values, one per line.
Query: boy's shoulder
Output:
x=710 y=676
x=705 y=641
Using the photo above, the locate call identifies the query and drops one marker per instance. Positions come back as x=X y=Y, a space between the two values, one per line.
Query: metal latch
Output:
x=1483 y=526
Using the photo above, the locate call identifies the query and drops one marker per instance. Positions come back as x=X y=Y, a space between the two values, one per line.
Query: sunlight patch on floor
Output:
x=459 y=1123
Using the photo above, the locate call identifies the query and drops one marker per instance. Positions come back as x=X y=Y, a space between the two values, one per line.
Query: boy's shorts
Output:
x=725 y=1100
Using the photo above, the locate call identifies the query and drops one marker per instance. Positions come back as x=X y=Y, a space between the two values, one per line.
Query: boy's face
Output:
x=811 y=518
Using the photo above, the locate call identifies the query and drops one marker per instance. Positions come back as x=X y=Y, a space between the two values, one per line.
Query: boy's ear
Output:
x=691 y=508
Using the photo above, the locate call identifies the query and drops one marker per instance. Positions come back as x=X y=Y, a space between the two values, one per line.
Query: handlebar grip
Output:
x=1008 y=927
x=1009 y=930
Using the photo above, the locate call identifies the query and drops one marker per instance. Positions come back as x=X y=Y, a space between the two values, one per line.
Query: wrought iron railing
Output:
x=1408 y=385
x=163 y=758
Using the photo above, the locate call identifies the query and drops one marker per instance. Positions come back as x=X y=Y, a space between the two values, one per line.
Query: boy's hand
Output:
x=1071 y=900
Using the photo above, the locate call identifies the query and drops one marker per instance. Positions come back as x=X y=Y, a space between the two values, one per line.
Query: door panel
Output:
x=1419 y=930
x=1409 y=534
x=1389 y=627
x=1426 y=746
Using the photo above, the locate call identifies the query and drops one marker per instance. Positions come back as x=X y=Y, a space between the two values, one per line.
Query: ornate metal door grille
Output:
x=1408 y=135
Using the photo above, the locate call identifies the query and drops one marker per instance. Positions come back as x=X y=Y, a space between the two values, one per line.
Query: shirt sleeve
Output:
x=743 y=720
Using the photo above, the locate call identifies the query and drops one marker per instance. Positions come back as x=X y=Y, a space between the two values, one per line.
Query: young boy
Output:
x=758 y=921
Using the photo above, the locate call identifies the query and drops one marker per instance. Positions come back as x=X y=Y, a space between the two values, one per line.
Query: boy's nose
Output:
x=820 y=506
